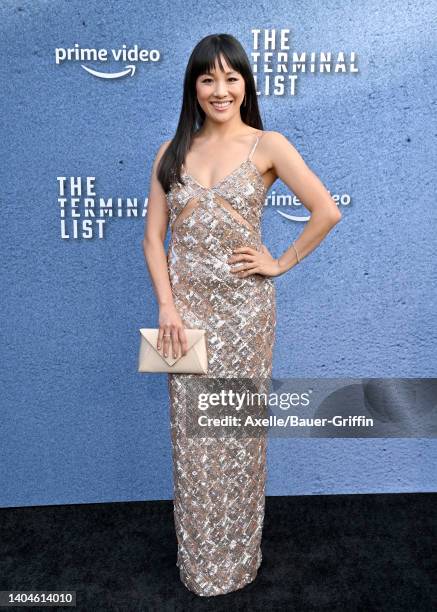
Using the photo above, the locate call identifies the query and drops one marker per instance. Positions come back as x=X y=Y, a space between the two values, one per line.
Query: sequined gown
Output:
x=219 y=483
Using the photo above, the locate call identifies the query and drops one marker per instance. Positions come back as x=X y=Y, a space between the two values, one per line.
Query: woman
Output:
x=210 y=182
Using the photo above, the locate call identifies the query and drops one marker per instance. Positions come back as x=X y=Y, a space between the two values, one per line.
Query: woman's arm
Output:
x=293 y=171
x=170 y=323
x=288 y=165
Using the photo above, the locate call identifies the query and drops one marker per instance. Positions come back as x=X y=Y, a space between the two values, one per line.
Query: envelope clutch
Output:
x=194 y=362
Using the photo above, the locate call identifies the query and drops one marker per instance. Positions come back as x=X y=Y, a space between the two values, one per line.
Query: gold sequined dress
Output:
x=219 y=483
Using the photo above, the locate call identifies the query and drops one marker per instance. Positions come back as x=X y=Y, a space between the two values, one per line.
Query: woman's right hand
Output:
x=171 y=331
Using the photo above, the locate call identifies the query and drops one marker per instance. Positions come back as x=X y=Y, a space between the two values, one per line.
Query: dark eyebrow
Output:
x=228 y=72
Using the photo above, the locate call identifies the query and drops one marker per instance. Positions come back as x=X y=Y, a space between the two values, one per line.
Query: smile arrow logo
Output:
x=129 y=70
x=293 y=217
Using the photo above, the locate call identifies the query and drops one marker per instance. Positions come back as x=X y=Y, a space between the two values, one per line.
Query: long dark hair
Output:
x=202 y=59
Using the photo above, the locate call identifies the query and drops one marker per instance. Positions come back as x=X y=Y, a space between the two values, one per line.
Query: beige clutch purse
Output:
x=194 y=362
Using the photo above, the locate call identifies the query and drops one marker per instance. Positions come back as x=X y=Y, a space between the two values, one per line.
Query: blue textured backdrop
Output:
x=79 y=424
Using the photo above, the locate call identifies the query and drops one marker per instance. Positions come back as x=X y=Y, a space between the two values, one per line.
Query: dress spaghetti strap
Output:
x=258 y=138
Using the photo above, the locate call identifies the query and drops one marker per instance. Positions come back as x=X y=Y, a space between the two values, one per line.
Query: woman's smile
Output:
x=221 y=106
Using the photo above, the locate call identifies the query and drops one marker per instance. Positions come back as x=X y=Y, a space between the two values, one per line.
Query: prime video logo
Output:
x=123 y=54
x=286 y=200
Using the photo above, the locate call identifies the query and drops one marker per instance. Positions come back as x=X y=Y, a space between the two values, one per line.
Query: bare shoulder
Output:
x=160 y=152
x=163 y=148
x=276 y=146
x=272 y=147
x=271 y=138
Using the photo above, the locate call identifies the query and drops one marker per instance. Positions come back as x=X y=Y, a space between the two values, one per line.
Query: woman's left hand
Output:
x=254 y=262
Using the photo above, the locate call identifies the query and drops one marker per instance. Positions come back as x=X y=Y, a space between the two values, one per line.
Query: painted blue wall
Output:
x=79 y=424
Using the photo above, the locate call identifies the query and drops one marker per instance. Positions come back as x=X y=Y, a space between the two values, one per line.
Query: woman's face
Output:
x=227 y=87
